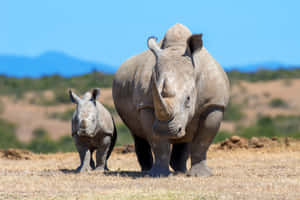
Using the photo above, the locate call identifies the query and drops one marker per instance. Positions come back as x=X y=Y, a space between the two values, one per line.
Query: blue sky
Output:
x=235 y=32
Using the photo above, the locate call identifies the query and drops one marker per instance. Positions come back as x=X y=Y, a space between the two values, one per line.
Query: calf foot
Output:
x=200 y=169
x=81 y=169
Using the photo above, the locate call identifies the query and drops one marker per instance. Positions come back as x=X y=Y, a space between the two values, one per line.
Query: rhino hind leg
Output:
x=143 y=152
x=210 y=124
x=179 y=157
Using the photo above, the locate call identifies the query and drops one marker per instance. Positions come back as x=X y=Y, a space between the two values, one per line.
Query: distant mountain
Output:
x=272 y=65
x=53 y=62
x=49 y=63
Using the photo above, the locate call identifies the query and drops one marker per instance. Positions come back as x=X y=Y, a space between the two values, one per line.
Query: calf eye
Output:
x=187 y=102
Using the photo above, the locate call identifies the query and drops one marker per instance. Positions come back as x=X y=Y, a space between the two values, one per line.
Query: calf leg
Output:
x=92 y=163
x=101 y=154
x=208 y=129
x=85 y=159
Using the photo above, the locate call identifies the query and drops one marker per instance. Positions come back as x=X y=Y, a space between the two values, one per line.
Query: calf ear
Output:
x=95 y=94
x=74 y=98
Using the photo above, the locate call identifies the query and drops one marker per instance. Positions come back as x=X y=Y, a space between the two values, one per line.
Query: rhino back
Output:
x=131 y=86
x=212 y=82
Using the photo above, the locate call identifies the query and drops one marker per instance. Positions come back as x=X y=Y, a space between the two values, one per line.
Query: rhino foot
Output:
x=81 y=169
x=159 y=172
x=200 y=169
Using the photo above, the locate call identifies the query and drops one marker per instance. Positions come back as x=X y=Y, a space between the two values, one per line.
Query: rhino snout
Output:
x=168 y=129
x=83 y=124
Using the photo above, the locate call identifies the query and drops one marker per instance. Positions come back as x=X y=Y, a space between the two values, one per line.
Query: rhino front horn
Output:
x=162 y=109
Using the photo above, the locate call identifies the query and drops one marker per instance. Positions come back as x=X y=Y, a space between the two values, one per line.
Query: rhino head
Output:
x=173 y=86
x=84 y=121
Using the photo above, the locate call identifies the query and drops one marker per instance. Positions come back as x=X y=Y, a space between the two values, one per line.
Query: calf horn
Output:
x=163 y=111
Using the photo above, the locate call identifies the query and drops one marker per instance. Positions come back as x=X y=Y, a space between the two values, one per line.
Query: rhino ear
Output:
x=95 y=94
x=74 y=98
x=195 y=43
x=153 y=46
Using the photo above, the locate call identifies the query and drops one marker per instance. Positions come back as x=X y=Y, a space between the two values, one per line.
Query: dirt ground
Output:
x=270 y=172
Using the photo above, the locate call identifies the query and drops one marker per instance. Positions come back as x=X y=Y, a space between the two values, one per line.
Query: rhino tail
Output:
x=113 y=141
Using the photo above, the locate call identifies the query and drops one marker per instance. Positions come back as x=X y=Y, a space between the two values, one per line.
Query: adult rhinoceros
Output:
x=172 y=98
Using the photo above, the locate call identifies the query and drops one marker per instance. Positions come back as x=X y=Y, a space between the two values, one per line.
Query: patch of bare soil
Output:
x=270 y=172
x=18 y=154
x=235 y=142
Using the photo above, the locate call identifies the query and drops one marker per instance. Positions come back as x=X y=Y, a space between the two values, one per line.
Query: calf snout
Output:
x=83 y=124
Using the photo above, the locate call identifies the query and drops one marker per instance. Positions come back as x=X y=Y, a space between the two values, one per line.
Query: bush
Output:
x=233 y=112
x=278 y=103
x=59 y=84
x=111 y=109
x=1 y=107
x=124 y=135
x=43 y=144
x=269 y=127
x=221 y=136
x=8 y=137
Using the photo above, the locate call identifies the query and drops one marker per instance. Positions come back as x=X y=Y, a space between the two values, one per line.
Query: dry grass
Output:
x=267 y=173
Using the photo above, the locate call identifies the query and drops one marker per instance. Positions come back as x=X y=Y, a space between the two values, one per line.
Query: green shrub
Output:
x=56 y=83
x=233 y=112
x=111 y=109
x=1 y=107
x=278 y=103
x=124 y=136
x=8 y=137
x=279 y=126
x=43 y=144
x=221 y=136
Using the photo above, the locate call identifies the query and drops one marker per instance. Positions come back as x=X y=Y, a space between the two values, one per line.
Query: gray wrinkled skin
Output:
x=172 y=98
x=93 y=129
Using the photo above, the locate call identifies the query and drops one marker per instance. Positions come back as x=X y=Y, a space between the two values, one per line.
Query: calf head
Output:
x=173 y=86
x=84 y=122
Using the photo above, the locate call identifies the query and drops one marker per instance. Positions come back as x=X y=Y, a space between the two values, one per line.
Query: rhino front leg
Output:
x=162 y=151
x=207 y=131
x=85 y=159
x=101 y=154
x=179 y=156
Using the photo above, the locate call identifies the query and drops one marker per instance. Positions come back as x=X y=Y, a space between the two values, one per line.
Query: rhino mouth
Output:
x=168 y=129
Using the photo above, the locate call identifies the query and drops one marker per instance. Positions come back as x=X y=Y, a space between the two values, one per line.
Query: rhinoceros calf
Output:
x=93 y=129
x=172 y=98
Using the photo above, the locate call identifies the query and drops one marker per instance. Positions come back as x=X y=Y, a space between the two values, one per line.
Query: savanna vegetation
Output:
x=265 y=126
